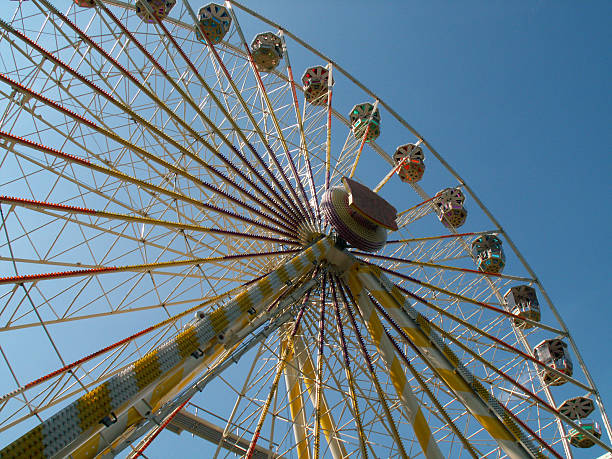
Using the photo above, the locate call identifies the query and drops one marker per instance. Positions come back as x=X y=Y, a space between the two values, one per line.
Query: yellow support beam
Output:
x=90 y=424
x=296 y=400
x=394 y=366
x=309 y=377
x=443 y=361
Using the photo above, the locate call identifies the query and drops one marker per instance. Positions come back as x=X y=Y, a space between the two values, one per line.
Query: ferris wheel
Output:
x=197 y=240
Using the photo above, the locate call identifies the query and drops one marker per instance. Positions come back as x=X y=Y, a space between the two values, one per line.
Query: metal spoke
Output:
x=161 y=202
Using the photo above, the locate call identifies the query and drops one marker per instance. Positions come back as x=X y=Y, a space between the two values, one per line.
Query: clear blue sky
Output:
x=517 y=96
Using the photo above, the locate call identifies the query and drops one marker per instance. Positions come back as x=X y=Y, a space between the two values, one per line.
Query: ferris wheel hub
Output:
x=358 y=215
x=308 y=233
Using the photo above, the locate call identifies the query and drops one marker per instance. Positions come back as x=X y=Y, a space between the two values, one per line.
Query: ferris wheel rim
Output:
x=585 y=370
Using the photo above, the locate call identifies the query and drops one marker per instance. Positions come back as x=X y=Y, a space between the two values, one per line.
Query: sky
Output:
x=517 y=97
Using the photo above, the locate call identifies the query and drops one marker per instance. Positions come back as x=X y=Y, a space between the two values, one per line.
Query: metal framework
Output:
x=150 y=173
